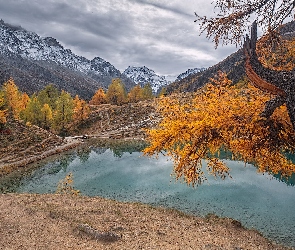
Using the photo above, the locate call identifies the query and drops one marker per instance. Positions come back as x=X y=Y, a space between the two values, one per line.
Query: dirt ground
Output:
x=52 y=221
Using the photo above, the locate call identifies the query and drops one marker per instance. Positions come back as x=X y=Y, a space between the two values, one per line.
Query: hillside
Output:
x=233 y=65
x=21 y=145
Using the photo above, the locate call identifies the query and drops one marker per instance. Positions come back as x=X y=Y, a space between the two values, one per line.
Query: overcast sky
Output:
x=159 y=34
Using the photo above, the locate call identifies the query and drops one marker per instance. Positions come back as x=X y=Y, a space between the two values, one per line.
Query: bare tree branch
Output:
x=234 y=18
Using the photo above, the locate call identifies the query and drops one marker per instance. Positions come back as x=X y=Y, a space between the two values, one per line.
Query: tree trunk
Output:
x=280 y=83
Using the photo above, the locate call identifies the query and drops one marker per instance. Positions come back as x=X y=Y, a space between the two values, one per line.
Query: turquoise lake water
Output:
x=258 y=201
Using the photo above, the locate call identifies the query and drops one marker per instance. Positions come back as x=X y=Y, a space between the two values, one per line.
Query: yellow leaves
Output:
x=14 y=101
x=65 y=186
x=278 y=56
x=221 y=117
x=81 y=110
x=98 y=98
x=217 y=168
x=2 y=111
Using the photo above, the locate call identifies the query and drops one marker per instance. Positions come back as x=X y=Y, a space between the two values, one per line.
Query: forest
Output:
x=57 y=111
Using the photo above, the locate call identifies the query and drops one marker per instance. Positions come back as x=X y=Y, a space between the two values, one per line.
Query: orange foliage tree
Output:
x=2 y=111
x=282 y=52
x=222 y=117
x=15 y=101
x=98 y=98
x=81 y=110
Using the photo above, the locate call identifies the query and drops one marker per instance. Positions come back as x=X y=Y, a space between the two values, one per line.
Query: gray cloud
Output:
x=161 y=35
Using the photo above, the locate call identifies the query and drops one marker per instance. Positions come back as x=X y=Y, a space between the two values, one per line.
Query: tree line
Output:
x=58 y=111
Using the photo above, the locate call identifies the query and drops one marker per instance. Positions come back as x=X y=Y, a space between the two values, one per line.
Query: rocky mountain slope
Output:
x=233 y=65
x=188 y=73
x=34 y=62
x=144 y=75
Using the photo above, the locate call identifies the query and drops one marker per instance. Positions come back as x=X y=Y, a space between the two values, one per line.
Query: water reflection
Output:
x=257 y=200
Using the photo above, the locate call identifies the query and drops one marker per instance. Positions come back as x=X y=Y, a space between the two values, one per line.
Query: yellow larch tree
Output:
x=2 y=111
x=135 y=94
x=13 y=98
x=81 y=110
x=116 y=93
x=98 y=98
x=222 y=117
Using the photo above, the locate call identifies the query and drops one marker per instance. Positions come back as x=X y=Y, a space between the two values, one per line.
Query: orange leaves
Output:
x=221 y=117
x=81 y=110
x=98 y=98
x=2 y=111
x=278 y=55
x=15 y=102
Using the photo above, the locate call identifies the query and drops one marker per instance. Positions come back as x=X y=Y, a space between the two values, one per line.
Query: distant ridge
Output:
x=35 y=62
x=143 y=75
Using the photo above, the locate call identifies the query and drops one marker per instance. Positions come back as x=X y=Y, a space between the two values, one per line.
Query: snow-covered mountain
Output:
x=189 y=72
x=144 y=75
x=26 y=54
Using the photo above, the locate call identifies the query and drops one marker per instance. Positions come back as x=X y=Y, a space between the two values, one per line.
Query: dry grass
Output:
x=32 y=221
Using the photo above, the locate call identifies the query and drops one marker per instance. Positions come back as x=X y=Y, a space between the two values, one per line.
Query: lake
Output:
x=256 y=200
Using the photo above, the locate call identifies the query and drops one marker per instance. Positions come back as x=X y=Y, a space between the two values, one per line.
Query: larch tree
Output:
x=135 y=94
x=116 y=93
x=63 y=114
x=32 y=113
x=254 y=122
x=98 y=98
x=147 y=92
x=222 y=117
x=13 y=98
x=49 y=95
x=81 y=110
x=2 y=110
x=46 y=116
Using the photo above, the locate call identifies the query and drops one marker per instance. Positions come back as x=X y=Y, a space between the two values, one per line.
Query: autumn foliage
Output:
x=50 y=109
x=98 y=98
x=222 y=117
x=278 y=54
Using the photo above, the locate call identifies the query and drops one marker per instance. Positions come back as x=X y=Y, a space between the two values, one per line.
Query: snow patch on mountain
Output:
x=189 y=72
x=31 y=46
x=143 y=75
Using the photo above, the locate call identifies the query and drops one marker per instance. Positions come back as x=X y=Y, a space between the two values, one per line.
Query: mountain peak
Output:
x=143 y=75
x=189 y=72
x=34 y=62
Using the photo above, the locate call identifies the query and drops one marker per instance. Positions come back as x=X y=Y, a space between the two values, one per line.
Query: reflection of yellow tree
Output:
x=65 y=186
x=222 y=117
